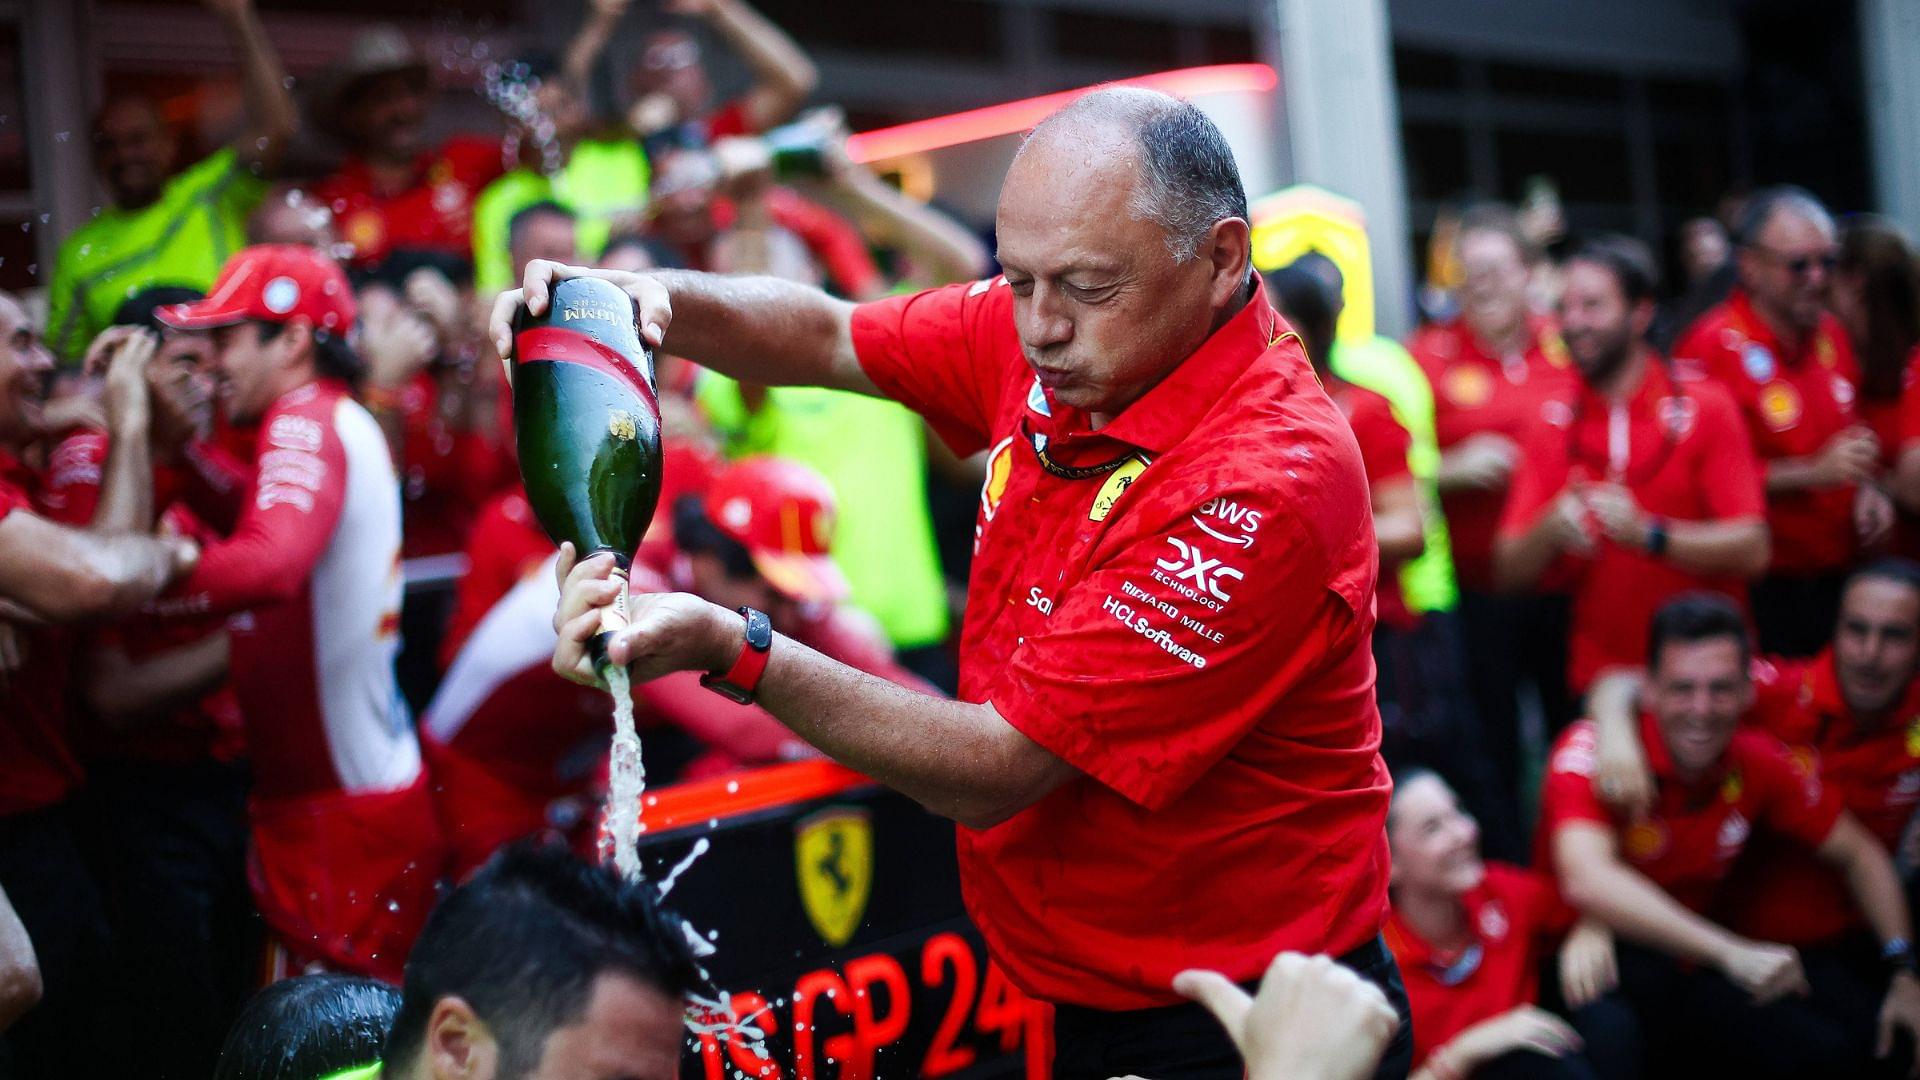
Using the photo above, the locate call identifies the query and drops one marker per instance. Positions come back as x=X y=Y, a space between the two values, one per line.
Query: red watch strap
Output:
x=747 y=668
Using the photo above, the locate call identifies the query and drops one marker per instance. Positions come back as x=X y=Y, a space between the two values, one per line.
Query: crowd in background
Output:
x=229 y=752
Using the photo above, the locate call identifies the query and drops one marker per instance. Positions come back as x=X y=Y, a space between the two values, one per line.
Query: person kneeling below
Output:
x=1470 y=935
x=1706 y=998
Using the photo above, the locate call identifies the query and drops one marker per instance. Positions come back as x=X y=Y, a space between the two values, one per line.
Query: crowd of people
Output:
x=1640 y=550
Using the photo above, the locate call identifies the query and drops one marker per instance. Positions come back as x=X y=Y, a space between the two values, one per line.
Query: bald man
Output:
x=1165 y=750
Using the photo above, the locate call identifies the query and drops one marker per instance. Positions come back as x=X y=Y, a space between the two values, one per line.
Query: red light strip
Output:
x=1016 y=116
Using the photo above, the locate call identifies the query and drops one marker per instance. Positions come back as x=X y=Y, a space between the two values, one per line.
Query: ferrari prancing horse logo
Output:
x=833 y=860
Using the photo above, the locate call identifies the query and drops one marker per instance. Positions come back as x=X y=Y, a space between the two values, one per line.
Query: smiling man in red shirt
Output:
x=1165 y=752
x=1638 y=488
x=1791 y=369
x=1656 y=877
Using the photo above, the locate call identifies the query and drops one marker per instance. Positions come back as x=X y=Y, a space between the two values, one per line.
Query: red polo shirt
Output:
x=1689 y=841
x=1193 y=637
x=1384 y=443
x=37 y=763
x=1793 y=403
x=1683 y=453
x=1475 y=391
x=433 y=213
x=1511 y=915
x=1780 y=891
x=1896 y=424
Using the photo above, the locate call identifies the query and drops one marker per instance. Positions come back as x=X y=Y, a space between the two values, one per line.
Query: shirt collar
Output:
x=1170 y=411
x=1660 y=760
x=1655 y=385
x=1827 y=700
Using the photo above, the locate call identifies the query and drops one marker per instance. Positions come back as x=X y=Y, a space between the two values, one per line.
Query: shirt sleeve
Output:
x=1384 y=443
x=1795 y=804
x=1566 y=791
x=71 y=493
x=832 y=239
x=1730 y=472
x=935 y=352
x=216 y=484
x=1145 y=688
x=283 y=530
x=1538 y=479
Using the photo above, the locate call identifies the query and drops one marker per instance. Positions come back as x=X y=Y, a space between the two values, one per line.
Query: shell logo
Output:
x=1645 y=841
x=1468 y=386
x=1733 y=787
x=1780 y=405
x=999 y=471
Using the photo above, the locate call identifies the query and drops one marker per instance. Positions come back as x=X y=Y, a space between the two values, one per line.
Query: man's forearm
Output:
x=783 y=75
x=269 y=104
x=1521 y=562
x=1635 y=908
x=1719 y=547
x=959 y=760
x=122 y=690
x=764 y=330
x=126 y=485
x=1795 y=474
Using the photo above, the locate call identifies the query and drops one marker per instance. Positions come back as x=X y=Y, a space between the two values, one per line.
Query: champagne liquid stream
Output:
x=626 y=778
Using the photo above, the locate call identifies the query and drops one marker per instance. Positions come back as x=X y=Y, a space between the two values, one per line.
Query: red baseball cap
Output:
x=782 y=512
x=273 y=283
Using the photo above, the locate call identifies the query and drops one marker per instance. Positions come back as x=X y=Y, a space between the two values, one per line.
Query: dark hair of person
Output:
x=1761 y=206
x=1695 y=617
x=394 y=270
x=522 y=943
x=657 y=251
x=138 y=309
x=308 y=1027
x=1878 y=253
x=696 y=534
x=1304 y=301
x=1500 y=219
x=517 y=224
x=1321 y=265
x=1627 y=259
x=1902 y=572
x=333 y=357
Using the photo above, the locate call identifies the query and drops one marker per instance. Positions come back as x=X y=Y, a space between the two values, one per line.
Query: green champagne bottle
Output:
x=586 y=423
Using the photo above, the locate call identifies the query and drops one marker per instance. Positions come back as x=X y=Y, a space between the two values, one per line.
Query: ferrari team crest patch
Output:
x=833 y=861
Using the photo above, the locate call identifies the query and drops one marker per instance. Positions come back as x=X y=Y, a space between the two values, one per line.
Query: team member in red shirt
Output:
x=59 y=575
x=1640 y=488
x=1851 y=718
x=1470 y=935
x=394 y=191
x=1790 y=368
x=508 y=764
x=1697 y=987
x=1876 y=296
x=1137 y=734
x=1495 y=372
x=346 y=847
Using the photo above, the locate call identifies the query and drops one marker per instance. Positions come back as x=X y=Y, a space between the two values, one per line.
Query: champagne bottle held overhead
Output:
x=586 y=423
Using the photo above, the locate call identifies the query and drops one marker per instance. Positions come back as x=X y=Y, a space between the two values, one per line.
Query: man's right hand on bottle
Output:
x=652 y=311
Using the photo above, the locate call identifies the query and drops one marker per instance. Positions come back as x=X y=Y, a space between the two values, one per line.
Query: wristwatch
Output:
x=1657 y=537
x=739 y=682
x=1896 y=955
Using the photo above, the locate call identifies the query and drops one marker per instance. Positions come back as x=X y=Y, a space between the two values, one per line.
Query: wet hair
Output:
x=308 y=1027
x=1627 y=259
x=1902 y=572
x=522 y=943
x=525 y=216
x=1695 y=617
x=1762 y=206
x=1188 y=178
x=138 y=309
x=695 y=534
x=333 y=356
x=1308 y=306
x=1877 y=251
x=1500 y=219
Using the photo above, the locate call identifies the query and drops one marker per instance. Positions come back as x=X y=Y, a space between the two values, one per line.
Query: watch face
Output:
x=759 y=630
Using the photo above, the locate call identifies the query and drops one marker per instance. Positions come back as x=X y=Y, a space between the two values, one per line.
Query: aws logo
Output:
x=1232 y=523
